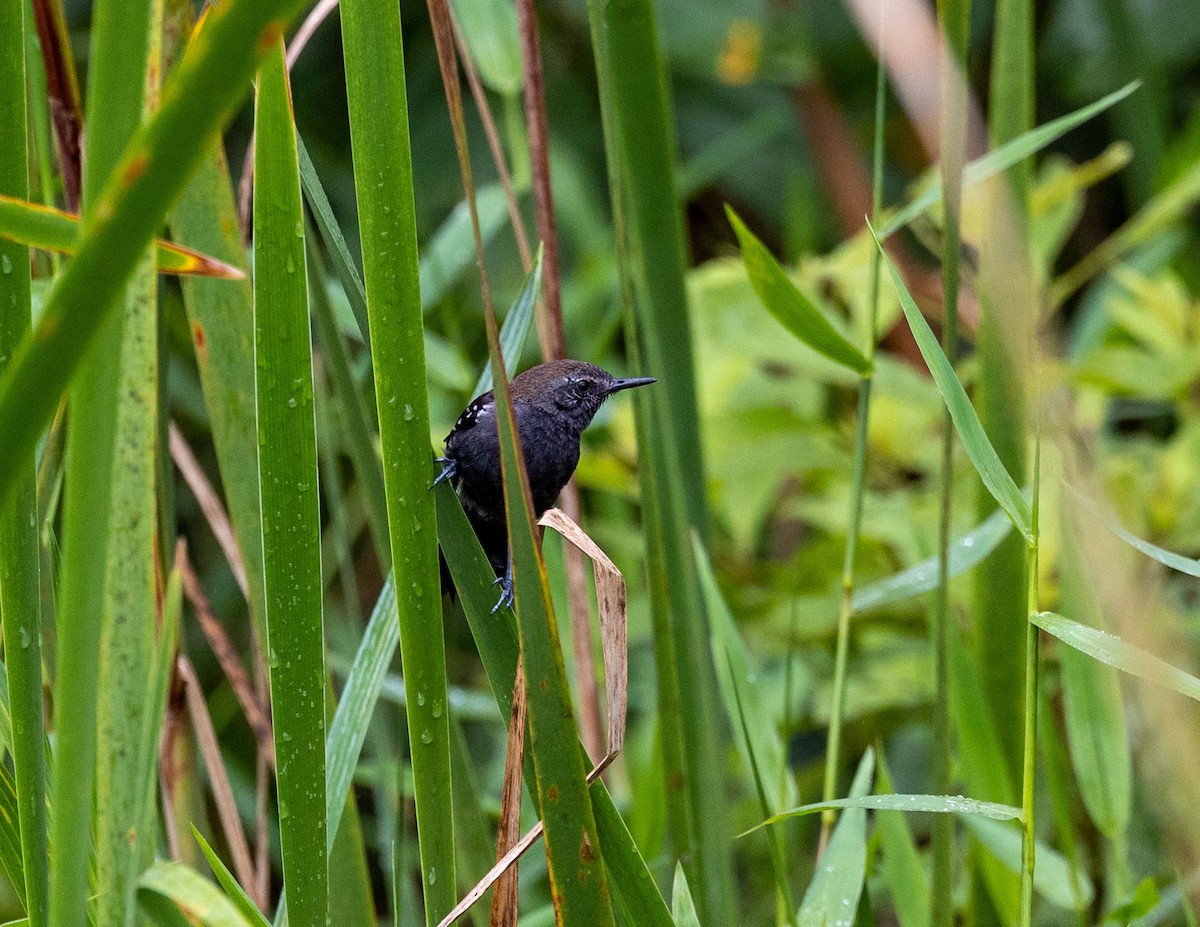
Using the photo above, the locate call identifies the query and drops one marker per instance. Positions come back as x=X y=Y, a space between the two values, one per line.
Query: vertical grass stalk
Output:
x=116 y=95
x=375 y=90
x=639 y=150
x=858 y=481
x=19 y=568
x=1028 y=831
x=288 y=489
x=125 y=764
x=954 y=20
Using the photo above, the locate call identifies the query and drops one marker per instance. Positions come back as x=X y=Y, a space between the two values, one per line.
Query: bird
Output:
x=553 y=403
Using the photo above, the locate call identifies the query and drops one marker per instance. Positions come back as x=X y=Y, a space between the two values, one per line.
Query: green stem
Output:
x=1031 y=683
x=954 y=19
x=846 y=607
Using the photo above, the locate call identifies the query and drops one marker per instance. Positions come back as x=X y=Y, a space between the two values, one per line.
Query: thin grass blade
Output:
x=966 y=421
x=1112 y=651
x=291 y=528
x=375 y=87
x=573 y=852
x=1005 y=156
x=966 y=552
x=20 y=600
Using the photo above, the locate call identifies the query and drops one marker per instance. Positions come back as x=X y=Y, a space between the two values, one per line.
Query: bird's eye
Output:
x=585 y=387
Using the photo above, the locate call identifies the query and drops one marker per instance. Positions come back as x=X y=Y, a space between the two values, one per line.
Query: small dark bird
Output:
x=553 y=403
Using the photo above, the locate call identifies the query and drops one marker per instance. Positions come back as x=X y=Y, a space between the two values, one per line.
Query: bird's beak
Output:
x=628 y=383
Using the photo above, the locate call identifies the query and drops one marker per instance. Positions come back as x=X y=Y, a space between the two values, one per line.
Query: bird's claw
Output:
x=449 y=470
x=505 y=583
x=506 y=594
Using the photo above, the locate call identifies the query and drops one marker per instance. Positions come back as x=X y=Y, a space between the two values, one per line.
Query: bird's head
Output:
x=573 y=388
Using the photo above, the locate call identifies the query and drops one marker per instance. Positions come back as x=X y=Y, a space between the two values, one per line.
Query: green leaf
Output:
x=496 y=640
x=379 y=134
x=1168 y=559
x=490 y=30
x=640 y=154
x=1111 y=650
x=95 y=506
x=233 y=890
x=291 y=528
x=20 y=580
x=1005 y=156
x=174 y=894
x=784 y=300
x=930 y=804
x=833 y=894
x=979 y=449
x=1053 y=877
x=683 y=909
x=965 y=552
x=53 y=230
x=1094 y=713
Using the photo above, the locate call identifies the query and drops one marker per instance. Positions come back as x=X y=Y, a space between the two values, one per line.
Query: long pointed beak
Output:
x=629 y=383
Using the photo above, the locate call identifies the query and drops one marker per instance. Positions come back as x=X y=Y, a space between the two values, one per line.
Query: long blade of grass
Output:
x=157 y=162
x=53 y=230
x=1112 y=651
x=966 y=551
x=754 y=731
x=291 y=527
x=637 y=120
x=573 y=852
x=375 y=87
x=1167 y=558
x=93 y=499
x=928 y=804
x=20 y=602
x=794 y=310
x=979 y=449
x=1004 y=157
x=127 y=654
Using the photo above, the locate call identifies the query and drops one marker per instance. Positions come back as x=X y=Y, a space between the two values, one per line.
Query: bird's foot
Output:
x=449 y=470
x=505 y=583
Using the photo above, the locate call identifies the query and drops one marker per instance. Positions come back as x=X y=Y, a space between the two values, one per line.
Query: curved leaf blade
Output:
x=966 y=421
x=784 y=300
x=1112 y=651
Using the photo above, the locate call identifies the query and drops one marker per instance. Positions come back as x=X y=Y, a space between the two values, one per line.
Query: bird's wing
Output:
x=481 y=408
